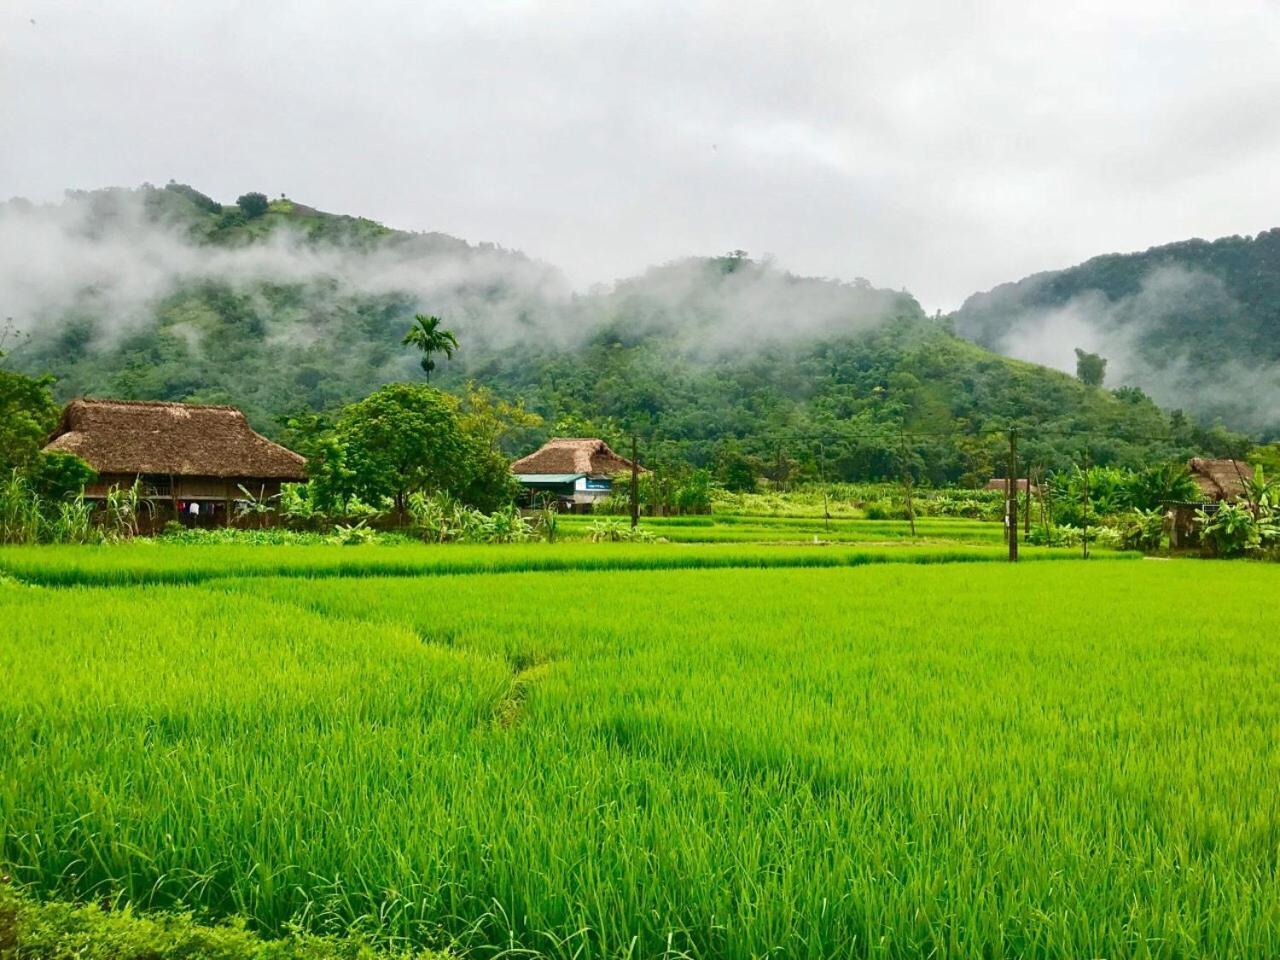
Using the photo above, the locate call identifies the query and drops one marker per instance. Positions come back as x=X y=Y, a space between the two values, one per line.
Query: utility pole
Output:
x=635 y=484
x=822 y=479
x=1084 y=539
x=906 y=483
x=1011 y=486
x=1026 y=504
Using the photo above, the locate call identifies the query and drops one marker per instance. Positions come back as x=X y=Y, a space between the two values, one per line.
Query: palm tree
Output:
x=426 y=335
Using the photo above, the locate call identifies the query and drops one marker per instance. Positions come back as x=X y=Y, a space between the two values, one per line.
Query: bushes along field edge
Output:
x=62 y=931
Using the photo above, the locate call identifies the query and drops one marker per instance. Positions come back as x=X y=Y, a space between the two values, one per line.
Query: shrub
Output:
x=353 y=535
x=885 y=510
x=89 y=932
x=1142 y=530
x=1234 y=529
x=253 y=204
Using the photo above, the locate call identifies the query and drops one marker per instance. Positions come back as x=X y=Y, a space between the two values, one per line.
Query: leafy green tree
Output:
x=737 y=474
x=253 y=204
x=402 y=439
x=502 y=424
x=1149 y=489
x=426 y=335
x=331 y=479
x=483 y=477
x=1091 y=369
x=56 y=476
x=28 y=415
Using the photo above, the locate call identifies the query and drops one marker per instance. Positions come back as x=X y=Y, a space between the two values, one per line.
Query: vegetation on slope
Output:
x=1196 y=323
x=290 y=311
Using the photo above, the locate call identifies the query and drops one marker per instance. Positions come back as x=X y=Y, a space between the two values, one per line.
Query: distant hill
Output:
x=280 y=309
x=1195 y=324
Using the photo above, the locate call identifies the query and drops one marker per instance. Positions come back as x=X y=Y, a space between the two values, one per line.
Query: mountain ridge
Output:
x=162 y=293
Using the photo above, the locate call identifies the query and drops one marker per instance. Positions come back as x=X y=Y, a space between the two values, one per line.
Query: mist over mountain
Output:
x=1195 y=324
x=278 y=308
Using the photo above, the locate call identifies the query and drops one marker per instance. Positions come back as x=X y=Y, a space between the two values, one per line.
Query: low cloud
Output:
x=109 y=260
x=1134 y=334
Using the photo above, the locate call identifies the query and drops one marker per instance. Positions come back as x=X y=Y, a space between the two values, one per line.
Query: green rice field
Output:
x=149 y=562
x=733 y=528
x=671 y=750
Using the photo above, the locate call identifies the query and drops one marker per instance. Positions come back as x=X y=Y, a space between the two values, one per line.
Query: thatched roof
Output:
x=1020 y=484
x=1220 y=479
x=182 y=439
x=580 y=455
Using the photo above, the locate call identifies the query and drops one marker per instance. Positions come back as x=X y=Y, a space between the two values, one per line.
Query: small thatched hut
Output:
x=191 y=459
x=576 y=471
x=1220 y=481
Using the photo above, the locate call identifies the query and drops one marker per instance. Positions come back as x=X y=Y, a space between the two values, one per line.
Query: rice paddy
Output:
x=735 y=528
x=146 y=562
x=617 y=750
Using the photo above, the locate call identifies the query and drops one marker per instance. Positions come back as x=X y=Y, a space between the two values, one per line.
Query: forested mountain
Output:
x=282 y=310
x=1195 y=324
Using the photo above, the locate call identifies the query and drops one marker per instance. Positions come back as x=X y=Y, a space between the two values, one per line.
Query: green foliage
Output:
x=737 y=473
x=1142 y=530
x=443 y=519
x=354 y=534
x=332 y=481
x=21 y=519
x=1236 y=529
x=57 y=477
x=663 y=491
x=608 y=530
x=1201 y=318
x=401 y=439
x=427 y=336
x=1091 y=370
x=252 y=205
x=651 y=356
x=1157 y=485
x=28 y=414
x=405 y=439
x=175 y=532
x=1260 y=492
x=90 y=931
x=1114 y=490
x=201 y=201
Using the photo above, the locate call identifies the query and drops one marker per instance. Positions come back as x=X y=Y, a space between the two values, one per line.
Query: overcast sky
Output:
x=942 y=147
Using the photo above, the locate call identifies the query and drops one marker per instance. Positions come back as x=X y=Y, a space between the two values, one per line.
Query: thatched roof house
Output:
x=562 y=455
x=1219 y=480
x=574 y=471
x=194 y=457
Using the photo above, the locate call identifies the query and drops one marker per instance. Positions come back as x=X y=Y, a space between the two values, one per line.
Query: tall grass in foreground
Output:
x=1054 y=760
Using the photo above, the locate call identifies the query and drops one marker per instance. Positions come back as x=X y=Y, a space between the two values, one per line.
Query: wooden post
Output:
x=635 y=484
x=906 y=482
x=1011 y=484
x=822 y=479
x=226 y=491
x=1046 y=521
x=1026 y=503
x=1084 y=539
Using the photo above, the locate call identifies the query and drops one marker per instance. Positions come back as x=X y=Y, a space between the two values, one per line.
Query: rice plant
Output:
x=894 y=760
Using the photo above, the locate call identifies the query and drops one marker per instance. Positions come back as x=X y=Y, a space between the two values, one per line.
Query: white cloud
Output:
x=944 y=147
